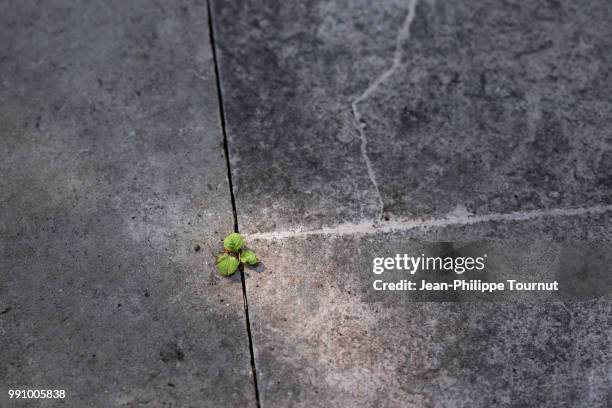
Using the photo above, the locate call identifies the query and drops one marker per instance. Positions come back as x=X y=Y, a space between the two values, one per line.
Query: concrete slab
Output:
x=434 y=121
x=324 y=338
x=113 y=194
x=495 y=106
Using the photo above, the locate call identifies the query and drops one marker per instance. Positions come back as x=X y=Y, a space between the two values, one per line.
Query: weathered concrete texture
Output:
x=112 y=171
x=494 y=105
x=323 y=337
x=501 y=106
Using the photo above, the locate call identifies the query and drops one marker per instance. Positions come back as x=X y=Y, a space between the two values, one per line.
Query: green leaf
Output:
x=233 y=242
x=247 y=256
x=227 y=264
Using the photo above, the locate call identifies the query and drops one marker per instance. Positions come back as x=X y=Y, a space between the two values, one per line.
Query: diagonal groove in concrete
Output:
x=211 y=33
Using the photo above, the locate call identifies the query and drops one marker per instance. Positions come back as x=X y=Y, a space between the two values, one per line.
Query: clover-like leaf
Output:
x=227 y=264
x=233 y=242
x=247 y=256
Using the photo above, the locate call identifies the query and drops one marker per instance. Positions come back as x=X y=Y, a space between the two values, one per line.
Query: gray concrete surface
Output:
x=112 y=171
x=355 y=130
x=324 y=338
x=494 y=105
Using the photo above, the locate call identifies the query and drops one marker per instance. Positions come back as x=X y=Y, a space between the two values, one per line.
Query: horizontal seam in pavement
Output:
x=368 y=227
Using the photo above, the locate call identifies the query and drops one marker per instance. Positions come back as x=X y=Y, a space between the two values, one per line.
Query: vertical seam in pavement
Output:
x=211 y=35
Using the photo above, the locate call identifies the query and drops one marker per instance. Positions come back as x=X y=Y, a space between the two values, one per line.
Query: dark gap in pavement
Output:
x=211 y=34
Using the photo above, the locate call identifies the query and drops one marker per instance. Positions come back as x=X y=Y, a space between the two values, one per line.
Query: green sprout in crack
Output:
x=234 y=252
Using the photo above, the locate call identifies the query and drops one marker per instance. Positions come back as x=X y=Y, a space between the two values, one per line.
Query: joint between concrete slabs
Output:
x=232 y=197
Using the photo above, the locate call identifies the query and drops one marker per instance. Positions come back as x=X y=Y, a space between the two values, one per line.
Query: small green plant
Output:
x=234 y=252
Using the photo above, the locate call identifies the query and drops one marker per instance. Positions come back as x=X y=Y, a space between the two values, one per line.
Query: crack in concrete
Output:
x=402 y=36
x=457 y=217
